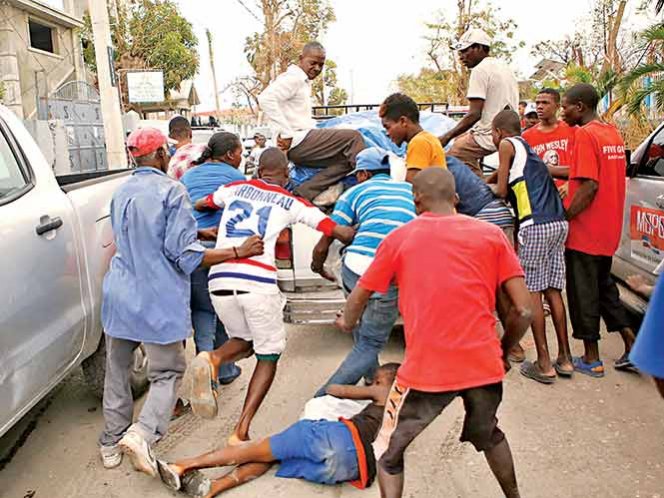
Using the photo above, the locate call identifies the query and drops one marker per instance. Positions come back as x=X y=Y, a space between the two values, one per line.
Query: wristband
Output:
x=237 y=256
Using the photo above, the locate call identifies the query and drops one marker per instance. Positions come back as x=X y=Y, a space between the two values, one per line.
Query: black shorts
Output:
x=408 y=412
x=591 y=294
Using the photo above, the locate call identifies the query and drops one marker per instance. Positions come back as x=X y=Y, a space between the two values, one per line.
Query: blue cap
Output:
x=371 y=159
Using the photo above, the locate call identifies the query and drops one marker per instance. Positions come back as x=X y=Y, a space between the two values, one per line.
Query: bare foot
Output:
x=234 y=440
x=517 y=354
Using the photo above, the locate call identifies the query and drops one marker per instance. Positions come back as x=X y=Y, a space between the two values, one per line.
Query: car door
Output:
x=42 y=318
x=643 y=232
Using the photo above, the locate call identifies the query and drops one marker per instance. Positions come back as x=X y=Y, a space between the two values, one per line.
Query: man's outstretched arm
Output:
x=377 y=394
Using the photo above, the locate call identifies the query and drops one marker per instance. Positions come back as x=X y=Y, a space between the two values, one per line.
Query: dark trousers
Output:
x=592 y=294
x=333 y=151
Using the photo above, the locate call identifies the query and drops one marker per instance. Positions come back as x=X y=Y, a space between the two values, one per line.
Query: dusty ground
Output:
x=580 y=438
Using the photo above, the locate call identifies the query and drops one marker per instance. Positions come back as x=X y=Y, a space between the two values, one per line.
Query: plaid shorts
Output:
x=542 y=255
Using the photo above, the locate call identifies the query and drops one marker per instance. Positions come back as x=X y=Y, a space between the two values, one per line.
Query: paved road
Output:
x=580 y=438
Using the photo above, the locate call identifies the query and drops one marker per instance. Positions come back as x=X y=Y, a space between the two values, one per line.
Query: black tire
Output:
x=94 y=371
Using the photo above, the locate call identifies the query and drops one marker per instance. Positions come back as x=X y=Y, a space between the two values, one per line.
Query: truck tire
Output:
x=94 y=371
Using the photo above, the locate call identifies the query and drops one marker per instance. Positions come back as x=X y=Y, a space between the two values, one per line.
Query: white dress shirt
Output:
x=287 y=105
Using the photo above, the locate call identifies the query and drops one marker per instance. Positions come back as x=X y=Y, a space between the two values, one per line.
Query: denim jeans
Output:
x=209 y=332
x=370 y=336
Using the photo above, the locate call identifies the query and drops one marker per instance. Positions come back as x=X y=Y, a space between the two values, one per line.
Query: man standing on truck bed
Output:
x=491 y=89
x=287 y=107
x=146 y=298
x=595 y=213
x=377 y=206
x=244 y=292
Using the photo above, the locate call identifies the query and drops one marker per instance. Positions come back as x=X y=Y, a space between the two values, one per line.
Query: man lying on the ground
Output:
x=316 y=450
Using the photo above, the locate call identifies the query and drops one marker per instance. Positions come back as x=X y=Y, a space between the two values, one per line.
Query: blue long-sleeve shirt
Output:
x=146 y=291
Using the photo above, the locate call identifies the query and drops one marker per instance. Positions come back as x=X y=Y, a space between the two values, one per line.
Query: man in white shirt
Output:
x=492 y=88
x=288 y=109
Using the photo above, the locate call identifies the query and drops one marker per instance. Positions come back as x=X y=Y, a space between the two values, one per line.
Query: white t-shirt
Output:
x=255 y=207
x=493 y=82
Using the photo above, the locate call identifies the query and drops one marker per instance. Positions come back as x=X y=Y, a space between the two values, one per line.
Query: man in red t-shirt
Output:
x=448 y=268
x=595 y=214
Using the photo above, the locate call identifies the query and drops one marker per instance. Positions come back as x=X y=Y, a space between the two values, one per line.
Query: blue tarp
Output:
x=369 y=125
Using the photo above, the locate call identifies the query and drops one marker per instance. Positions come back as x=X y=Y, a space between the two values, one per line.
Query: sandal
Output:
x=562 y=372
x=624 y=364
x=168 y=476
x=594 y=369
x=203 y=397
x=195 y=484
x=531 y=370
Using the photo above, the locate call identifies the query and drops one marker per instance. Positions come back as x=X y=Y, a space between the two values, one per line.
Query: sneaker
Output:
x=111 y=456
x=625 y=364
x=139 y=452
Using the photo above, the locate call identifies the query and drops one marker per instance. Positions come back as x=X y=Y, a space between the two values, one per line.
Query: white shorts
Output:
x=256 y=318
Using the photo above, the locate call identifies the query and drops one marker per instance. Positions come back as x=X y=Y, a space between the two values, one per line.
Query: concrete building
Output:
x=39 y=50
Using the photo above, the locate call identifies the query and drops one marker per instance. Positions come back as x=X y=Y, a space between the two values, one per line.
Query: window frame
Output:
x=52 y=28
x=21 y=162
x=644 y=158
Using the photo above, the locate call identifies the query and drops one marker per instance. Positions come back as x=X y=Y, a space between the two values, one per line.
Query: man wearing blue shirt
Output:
x=648 y=350
x=378 y=205
x=146 y=298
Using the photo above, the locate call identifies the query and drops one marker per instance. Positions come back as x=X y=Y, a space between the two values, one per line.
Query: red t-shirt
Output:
x=448 y=269
x=554 y=147
x=599 y=154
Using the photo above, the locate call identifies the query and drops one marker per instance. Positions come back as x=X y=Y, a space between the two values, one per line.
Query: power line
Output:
x=249 y=10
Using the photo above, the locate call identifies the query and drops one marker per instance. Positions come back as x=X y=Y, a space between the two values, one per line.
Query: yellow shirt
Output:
x=424 y=151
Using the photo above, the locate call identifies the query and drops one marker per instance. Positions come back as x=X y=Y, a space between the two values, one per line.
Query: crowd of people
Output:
x=447 y=246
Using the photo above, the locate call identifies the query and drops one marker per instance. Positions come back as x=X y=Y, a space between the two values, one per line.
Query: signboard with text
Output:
x=145 y=86
x=647 y=235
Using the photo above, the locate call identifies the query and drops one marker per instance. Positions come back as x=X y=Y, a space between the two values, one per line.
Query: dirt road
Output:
x=578 y=438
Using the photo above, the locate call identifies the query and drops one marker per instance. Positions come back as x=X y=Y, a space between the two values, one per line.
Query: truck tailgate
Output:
x=316 y=307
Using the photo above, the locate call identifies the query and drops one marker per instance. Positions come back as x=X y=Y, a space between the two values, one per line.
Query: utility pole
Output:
x=214 y=74
x=110 y=101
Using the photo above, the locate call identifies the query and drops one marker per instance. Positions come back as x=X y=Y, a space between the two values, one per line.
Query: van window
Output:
x=12 y=178
x=653 y=162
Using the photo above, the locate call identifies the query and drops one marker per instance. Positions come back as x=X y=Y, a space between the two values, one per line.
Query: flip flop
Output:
x=561 y=371
x=594 y=369
x=203 y=397
x=168 y=476
x=624 y=364
x=529 y=369
x=195 y=484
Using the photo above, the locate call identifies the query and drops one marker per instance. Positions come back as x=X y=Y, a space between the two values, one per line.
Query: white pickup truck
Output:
x=56 y=240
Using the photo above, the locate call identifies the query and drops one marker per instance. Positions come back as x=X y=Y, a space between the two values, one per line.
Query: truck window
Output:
x=12 y=177
x=653 y=162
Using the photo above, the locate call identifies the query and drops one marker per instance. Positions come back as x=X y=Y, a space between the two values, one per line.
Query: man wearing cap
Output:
x=256 y=151
x=377 y=206
x=492 y=88
x=186 y=152
x=146 y=295
x=288 y=110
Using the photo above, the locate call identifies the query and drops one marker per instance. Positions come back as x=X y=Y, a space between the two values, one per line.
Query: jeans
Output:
x=370 y=336
x=209 y=332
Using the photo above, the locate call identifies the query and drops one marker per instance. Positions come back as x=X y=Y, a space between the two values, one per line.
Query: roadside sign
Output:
x=145 y=86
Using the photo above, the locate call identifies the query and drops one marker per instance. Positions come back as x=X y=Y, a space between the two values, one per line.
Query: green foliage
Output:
x=325 y=88
x=149 y=34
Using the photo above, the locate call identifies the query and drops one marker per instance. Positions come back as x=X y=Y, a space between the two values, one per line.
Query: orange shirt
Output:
x=424 y=151
x=599 y=154
x=447 y=269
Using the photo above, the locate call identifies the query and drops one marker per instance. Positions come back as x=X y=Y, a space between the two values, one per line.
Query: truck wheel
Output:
x=94 y=370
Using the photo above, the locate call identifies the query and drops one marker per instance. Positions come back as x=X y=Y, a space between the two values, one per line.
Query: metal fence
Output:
x=78 y=105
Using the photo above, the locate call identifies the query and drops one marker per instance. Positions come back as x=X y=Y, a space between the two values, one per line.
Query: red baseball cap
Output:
x=144 y=141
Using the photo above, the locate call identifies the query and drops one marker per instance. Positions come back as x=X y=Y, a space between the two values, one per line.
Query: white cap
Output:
x=530 y=107
x=471 y=37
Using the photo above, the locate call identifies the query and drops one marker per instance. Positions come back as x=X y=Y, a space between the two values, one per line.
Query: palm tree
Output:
x=631 y=86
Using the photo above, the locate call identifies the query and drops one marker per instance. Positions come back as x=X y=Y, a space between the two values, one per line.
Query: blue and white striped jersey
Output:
x=376 y=207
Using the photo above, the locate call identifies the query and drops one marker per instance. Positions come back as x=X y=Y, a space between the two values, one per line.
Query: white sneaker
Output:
x=139 y=452
x=111 y=456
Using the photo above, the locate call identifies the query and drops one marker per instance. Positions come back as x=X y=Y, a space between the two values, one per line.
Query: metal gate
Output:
x=77 y=104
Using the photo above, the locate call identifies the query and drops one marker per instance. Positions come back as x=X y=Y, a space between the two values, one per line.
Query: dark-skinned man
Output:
x=244 y=292
x=492 y=88
x=448 y=269
x=146 y=295
x=288 y=109
x=595 y=214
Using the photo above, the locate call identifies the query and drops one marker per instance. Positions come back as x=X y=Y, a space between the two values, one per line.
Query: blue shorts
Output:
x=316 y=450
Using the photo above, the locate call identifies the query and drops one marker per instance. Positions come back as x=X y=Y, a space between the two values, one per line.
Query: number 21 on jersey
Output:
x=246 y=213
